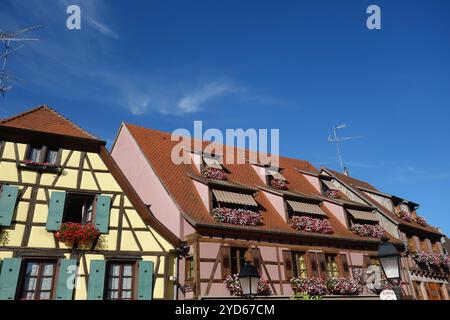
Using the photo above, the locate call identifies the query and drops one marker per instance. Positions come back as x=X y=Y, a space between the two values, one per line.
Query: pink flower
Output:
x=237 y=216
x=369 y=230
x=233 y=286
x=333 y=193
x=311 y=286
x=343 y=286
x=406 y=216
x=278 y=184
x=214 y=173
x=305 y=223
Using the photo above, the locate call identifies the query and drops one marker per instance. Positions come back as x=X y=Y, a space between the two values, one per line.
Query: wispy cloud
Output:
x=193 y=101
x=103 y=29
x=411 y=174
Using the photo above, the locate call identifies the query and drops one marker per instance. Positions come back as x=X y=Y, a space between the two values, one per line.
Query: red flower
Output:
x=71 y=233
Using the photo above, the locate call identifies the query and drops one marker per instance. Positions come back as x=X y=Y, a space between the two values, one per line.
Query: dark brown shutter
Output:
x=343 y=266
x=256 y=258
x=322 y=265
x=287 y=258
x=313 y=266
x=226 y=261
x=366 y=261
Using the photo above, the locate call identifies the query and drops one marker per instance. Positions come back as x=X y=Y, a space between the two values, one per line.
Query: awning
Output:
x=212 y=162
x=329 y=184
x=302 y=207
x=363 y=215
x=235 y=198
x=276 y=174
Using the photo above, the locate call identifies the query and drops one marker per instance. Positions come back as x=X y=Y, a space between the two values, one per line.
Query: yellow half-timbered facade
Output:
x=71 y=226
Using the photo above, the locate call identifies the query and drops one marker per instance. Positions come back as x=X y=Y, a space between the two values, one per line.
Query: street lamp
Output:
x=390 y=262
x=249 y=279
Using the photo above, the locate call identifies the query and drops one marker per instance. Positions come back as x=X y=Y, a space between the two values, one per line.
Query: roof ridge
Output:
x=46 y=107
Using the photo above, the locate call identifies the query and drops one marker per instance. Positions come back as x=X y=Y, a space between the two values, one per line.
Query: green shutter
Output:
x=145 y=280
x=102 y=213
x=8 y=198
x=56 y=210
x=96 y=280
x=9 y=277
x=66 y=279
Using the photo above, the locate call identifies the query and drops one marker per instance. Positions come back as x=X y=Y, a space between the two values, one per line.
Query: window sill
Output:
x=40 y=168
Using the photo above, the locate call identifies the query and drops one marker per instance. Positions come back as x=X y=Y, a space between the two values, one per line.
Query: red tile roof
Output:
x=352 y=182
x=45 y=119
x=157 y=147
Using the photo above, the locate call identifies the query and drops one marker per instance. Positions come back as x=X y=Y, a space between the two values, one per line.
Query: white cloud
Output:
x=193 y=101
x=103 y=29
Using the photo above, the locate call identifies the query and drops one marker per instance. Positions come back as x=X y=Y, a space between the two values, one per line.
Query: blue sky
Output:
x=300 y=66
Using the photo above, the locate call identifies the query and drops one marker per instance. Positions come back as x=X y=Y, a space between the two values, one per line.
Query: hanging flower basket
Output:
x=278 y=184
x=309 y=224
x=333 y=193
x=368 y=230
x=343 y=286
x=237 y=216
x=44 y=166
x=214 y=173
x=310 y=286
x=233 y=286
x=421 y=221
x=406 y=216
x=77 y=233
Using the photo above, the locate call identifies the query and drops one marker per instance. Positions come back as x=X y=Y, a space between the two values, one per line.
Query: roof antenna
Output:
x=7 y=38
x=335 y=139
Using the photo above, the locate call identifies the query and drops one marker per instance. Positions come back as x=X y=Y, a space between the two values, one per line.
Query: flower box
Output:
x=368 y=230
x=40 y=166
x=278 y=184
x=233 y=286
x=343 y=286
x=309 y=224
x=333 y=193
x=76 y=233
x=431 y=260
x=214 y=173
x=310 y=286
x=237 y=216
x=421 y=221
x=406 y=216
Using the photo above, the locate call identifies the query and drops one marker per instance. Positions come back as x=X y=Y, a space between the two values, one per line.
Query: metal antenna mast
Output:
x=335 y=139
x=7 y=38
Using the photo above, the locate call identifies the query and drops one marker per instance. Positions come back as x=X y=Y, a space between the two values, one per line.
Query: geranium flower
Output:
x=309 y=224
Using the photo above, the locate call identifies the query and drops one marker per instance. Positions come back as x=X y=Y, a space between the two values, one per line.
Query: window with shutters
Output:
x=120 y=280
x=38 y=280
x=79 y=208
x=237 y=259
x=299 y=264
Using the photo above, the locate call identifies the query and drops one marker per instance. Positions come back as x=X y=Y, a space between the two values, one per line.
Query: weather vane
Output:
x=335 y=139
x=11 y=42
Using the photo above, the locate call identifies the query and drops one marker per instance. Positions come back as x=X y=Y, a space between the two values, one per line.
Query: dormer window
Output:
x=365 y=224
x=235 y=208
x=307 y=217
x=329 y=189
x=275 y=179
x=212 y=168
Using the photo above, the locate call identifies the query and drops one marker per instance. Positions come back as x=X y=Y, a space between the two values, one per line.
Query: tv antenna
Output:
x=335 y=139
x=8 y=39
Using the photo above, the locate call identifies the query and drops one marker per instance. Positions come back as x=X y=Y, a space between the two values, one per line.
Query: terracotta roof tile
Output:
x=365 y=185
x=178 y=180
x=45 y=119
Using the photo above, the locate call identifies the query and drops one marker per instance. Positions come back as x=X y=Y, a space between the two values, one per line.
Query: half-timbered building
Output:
x=425 y=265
x=71 y=225
x=296 y=226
